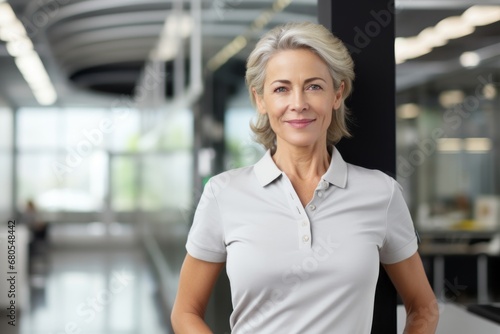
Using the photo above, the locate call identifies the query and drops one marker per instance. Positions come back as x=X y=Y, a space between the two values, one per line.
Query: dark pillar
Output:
x=367 y=28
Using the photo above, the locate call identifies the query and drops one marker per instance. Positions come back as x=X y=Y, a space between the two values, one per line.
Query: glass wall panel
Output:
x=58 y=187
x=5 y=161
x=446 y=161
x=177 y=133
x=85 y=130
x=241 y=149
x=124 y=136
x=39 y=128
x=166 y=181
x=124 y=184
x=5 y=128
x=5 y=183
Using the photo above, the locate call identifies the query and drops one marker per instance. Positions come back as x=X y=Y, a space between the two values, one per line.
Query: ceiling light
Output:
x=7 y=15
x=241 y=41
x=450 y=144
x=280 y=4
x=453 y=27
x=449 y=28
x=47 y=96
x=167 y=49
x=489 y=91
x=429 y=37
x=178 y=25
x=478 y=145
x=27 y=60
x=450 y=98
x=33 y=71
x=235 y=46
x=13 y=31
x=19 y=47
x=470 y=59
x=408 y=48
x=408 y=111
x=481 y=15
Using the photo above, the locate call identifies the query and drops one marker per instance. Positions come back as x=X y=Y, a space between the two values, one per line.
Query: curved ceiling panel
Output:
x=102 y=43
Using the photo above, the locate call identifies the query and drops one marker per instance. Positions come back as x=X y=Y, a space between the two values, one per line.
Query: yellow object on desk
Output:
x=466 y=224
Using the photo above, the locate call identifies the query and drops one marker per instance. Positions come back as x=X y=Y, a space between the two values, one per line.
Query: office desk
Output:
x=441 y=245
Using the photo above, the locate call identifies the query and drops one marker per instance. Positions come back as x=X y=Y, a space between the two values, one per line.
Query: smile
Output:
x=300 y=123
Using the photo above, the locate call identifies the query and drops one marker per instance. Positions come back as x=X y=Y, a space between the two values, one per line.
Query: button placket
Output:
x=304 y=233
x=303 y=223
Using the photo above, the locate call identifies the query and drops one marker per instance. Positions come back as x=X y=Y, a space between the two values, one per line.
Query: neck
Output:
x=304 y=163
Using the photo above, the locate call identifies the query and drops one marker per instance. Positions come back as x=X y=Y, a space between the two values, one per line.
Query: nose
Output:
x=299 y=101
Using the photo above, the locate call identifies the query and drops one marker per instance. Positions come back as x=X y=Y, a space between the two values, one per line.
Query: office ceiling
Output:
x=91 y=46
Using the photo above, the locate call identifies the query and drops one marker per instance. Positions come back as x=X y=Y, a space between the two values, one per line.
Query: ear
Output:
x=338 y=96
x=259 y=101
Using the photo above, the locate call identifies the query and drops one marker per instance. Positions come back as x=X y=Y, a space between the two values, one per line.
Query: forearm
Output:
x=423 y=319
x=189 y=323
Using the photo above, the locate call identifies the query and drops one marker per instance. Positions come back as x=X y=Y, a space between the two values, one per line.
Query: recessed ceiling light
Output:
x=489 y=91
x=408 y=111
x=469 y=59
x=450 y=98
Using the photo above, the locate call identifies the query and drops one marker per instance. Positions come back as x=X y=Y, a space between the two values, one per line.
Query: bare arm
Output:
x=196 y=282
x=422 y=312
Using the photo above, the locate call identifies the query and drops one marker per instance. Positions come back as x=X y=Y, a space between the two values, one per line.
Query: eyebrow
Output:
x=284 y=81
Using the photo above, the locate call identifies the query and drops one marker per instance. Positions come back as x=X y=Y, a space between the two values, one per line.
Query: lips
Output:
x=299 y=123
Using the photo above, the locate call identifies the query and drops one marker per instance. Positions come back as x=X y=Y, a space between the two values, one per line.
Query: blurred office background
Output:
x=113 y=115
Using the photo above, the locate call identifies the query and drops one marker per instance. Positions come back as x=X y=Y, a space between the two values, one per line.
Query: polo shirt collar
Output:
x=337 y=171
x=267 y=171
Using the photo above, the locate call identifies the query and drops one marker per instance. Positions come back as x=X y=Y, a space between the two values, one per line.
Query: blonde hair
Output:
x=322 y=42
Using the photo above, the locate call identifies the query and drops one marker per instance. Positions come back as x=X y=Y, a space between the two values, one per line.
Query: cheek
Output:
x=275 y=109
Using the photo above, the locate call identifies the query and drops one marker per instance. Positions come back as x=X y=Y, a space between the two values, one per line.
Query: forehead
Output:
x=296 y=62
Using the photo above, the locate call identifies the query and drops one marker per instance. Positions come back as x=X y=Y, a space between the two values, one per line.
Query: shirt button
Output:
x=320 y=194
x=312 y=207
x=305 y=238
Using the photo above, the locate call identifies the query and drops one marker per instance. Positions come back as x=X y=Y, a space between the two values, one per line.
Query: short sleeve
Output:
x=206 y=237
x=401 y=238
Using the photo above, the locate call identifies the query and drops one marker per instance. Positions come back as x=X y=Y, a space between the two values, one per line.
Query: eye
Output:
x=280 y=90
x=314 y=87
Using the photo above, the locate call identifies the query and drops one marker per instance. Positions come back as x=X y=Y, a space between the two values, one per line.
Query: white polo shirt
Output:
x=302 y=270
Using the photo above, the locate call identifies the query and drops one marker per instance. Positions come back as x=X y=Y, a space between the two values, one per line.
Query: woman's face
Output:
x=299 y=97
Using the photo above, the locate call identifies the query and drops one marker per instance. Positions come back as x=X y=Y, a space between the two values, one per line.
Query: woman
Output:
x=302 y=232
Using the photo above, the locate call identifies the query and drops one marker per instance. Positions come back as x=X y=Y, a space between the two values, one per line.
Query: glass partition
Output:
x=6 y=131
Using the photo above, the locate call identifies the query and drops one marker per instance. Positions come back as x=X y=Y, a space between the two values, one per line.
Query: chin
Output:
x=302 y=141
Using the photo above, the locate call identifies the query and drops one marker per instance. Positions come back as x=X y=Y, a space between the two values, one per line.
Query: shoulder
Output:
x=371 y=181
x=232 y=178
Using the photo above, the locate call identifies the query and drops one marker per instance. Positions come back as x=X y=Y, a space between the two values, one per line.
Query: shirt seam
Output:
x=204 y=248
x=221 y=222
x=387 y=212
x=402 y=247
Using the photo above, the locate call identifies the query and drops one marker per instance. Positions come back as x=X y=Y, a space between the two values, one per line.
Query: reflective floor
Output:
x=94 y=290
